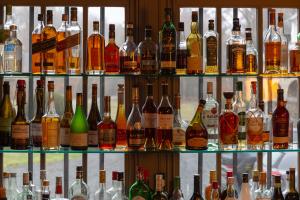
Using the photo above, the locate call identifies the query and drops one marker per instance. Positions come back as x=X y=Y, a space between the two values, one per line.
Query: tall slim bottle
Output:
x=111 y=53
x=194 y=48
x=284 y=57
x=50 y=122
x=62 y=52
x=93 y=119
x=36 y=39
x=7 y=115
x=121 y=120
x=277 y=193
x=79 y=127
x=181 y=50
x=211 y=45
x=20 y=125
x=292 y=193
x=251 y=53
x=179 y=125
x=159 y=194
x=65 y=122
x=196 y=194
x=101 y=193
x=245 y=189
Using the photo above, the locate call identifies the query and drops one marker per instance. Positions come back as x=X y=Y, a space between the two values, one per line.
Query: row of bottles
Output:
x=58 y=51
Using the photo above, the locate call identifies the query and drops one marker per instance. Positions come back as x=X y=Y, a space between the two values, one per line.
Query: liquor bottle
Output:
x=134 y=130
x=111 y=53
x=20 y=125
x=284 y=57
x=254 y=122
x=236 y=50
x=179 y=125
x=294 y=57
x=101 y=193
x=74 y=50
x=262 y=192
x=49 y=54
x=209 y=187
x=62 y=52
x=107 y=128
x=292 y=193
x=254 y=182
x=25 y=194
x=211 y=116
x=139 y=190
x=287 y=183
x=7 y=115
x=79 y=189
x=159 y=194
x=12 y=52
x=93 y=119
x=120 y=194
x=50 y=122
x=165 y=119
x=277 y=194
x=36 y=122
x=211 y=46
x=46 y=190
x=38 y=192
x=128 y=55
x=267 y=124
x=196 y=194
x=65 y=122
x=36 y=39
x=13 y=191
x=8 y=20
x=251 y=53
x=245 y=193
x=121 y=120
x=272 y=45
x=228 y=125
x=79 y=127
x=239 y=107
x=280 y=123
x=194 y=48
x=177 y=193
x=114 y=185
x=196 y=133
x=215 y=191
x=58 y=188
x=95 y=52
x=147 y=53
x=149 y=119
x=181 y=50
x=167 y=45
x=230 y=193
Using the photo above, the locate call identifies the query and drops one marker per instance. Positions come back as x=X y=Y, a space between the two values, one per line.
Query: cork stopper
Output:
x=102 y=176
x=46 y=183
x=65 y=17
x=8 y=9
x=21 y=84
x=228 y=95
x=5 y=175
x=255 y=175
x=73 y=14
x=263 y=178
x=236 y=25
x=114 y=175
x=194 y=16
x=111 y=27
x=209 y=87
x=13 y=27
x=50 y=86
x=40 y=83
x=248 y=34
x=2 y=193
x=229 y=174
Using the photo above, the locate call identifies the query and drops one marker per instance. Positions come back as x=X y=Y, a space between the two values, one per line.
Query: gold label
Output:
x=65 y=136
x=197 y=142
x=107 y=136
x=165 y=121
x=79 y=139
x=20 y=132
x=194 y=59
x=149 y=120
x=50 y=134
x=280 y=140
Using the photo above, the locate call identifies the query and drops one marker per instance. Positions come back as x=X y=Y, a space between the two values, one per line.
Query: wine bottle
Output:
x=277 y=193
x=7 y=114
x=121 y=119
x=179 y=126
x=79 y=127
x=245 y=190
x=93 y=119
x=292 y=193
x=177 y=193
x=196 y=194
x=66 y=119
x=20 y=125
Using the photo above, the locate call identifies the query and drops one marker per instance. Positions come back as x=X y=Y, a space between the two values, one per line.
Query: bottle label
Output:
x=211 y=118
x=242 y=126
x=168 y=49
x=236 y=57
x=10 y=48
x=129 y=61
x=211 y=51
x=281 y=128
x=111 y=58
x=46 y=45
x=165 y=121
x=197 y=136
x=136 y=137
x=272 y=54
x=149 y=120
x=68 y=42
x=194 y=58
x=254 y=130
x=93 y=137
x=251 y=63
x=20 y=132
x=178 y=135
x=5 y=124
x=138 y=198
x=148 y=61
x=78 y=139
x=36 y=129
x=65 y=136
x=107 y=136
x=51 y=133
x=37 y=47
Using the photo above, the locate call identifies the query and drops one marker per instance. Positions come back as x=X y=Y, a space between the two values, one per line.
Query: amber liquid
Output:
x=272 y=56
x=61 y=61
x=129 y=64
x=295 y=61
x=236 y=58
x=112 y=58
x=17 y=143
x=50 y=136
x=164 y=136
x=95 y=54
x=36 y=66
x=49 y=57
x=121 y=127
x=228 y=129
x=106 y=125
x=251 y=66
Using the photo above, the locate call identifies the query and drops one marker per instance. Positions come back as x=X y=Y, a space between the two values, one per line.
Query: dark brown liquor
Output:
x=277 y=193
x=292 y=193
x=196 y=194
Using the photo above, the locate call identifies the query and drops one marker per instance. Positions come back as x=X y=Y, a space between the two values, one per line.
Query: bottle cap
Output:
x=211 y=24
x=8 y=9
x=229 y=174
x=248 y=34
x=196 y=177
x=239 y=86
x=6 y=87
x=236 y=24
x=45 y=183
x=271 y=16
x=13 y=27
x=40 y=83
x=215 y=185
x=120 y=176
x=114 y=175
x=180 y=26
x=43 y=174
x=65 y=17
x=102 y=176
x=111 y=27
x=228 y=95
x=194 y=16
x=230 y=180
x=280 y=20
x=245 y=178
x=255 y=175
x=212 y=176
x=26 y=178
x=40 y=17
x=253 y=86
x=209 y=87
x=50 y=85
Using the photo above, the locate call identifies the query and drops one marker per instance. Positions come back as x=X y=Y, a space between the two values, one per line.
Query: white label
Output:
x=36 y=129
x=178 y=135
x=138 y=198
x=210 y=119
x=20 y=131
x=149 y=120
x=65 y=136
x=93 y=137
x=165 y=121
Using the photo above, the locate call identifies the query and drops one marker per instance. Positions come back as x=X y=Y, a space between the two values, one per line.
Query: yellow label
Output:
x=79 y=139
x=50 y=134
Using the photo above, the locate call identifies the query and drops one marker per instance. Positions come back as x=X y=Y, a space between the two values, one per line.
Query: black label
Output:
x=211 y=51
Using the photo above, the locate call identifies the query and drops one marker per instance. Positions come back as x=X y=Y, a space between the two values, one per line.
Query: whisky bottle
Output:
x=280 y=123
x=179 y=125
x=149 y=119
x=272 y=46
x=7 y=115
x=251 y=54
x=292 y=193
x=75 y=42
x=111 y=53
x=194 y=48
x=36 y=122
x=62 y=52
x=50 y=123
x=49 y=54
x=20 y=125
x=211 y=46
x=165 y=119
x=181 y=50
x=294 y=57
x=196 y=133
x=96 y=44
x=121 y=120
x=65 y=122
x=277 y=193
x=236 y=50
x=284 y=57
x=167 y=45
x=93 y=119
x=36 y=39
x=134 y=130
x=107 y=128
x=79 y=127
x=196 y=194
x=228 y=125
x=159 y=194
x=147 y=53
x=209 y=187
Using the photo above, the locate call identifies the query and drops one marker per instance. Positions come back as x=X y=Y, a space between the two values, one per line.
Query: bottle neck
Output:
x=177 y=114
x=74 y=23
x=13 y=34
x=194 y=27
x=280 y=30
x=68 y=106
x=39 y=102
x=249 y=42
x=253 y=103
x=21 y=103
x=94 y=102
x=196 y=187
x=129 y=38
x=181 y=36
x=239 y=96
x=12 y=182
x=292 y=182
x=51 y=104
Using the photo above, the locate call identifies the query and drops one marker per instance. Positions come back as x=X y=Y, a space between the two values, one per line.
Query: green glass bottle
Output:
x=79 y=127
x=139 y=190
